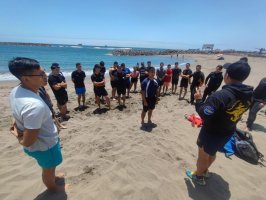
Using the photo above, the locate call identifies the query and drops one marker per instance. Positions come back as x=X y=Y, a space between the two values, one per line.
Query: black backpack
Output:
x=246 y=148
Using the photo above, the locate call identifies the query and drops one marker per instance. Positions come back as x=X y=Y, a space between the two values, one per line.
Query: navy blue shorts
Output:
x=210 y=142
x=151 y=104
x=184 y=83
x=100 y=92
x=121 y=90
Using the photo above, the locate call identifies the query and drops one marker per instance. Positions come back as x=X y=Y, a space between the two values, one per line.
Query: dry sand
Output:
x=109 y=155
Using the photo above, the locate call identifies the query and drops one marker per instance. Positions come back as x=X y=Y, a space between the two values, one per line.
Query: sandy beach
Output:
x=109 y=155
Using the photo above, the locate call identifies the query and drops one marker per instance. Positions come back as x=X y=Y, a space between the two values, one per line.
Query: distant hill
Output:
x=24 y=44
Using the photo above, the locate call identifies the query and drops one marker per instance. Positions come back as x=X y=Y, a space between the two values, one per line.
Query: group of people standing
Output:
x=36 y=129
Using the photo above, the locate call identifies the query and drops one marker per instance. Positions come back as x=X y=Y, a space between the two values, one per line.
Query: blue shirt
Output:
x=150 y=87
x=127 y=71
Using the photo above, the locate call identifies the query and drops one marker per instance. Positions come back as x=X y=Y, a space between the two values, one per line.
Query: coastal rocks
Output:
x=133 y=52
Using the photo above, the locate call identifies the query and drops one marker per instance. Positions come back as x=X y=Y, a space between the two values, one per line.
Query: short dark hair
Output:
x=151 y=69
x=123 y=65
x=188 y=64
x=220 y=67
x=97 y=66
x=176 y=63
x=21 y=66
x=115 y=63
x=77 y=64
x=54 y=65
x=198 y=66
x=102 y=63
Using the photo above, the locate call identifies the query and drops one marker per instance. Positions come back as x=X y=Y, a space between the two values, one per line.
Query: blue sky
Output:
x=229 y=24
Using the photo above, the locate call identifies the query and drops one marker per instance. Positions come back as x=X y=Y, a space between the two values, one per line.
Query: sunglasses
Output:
x=43 y=75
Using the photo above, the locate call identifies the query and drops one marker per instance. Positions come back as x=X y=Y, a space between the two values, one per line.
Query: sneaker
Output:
x=200 y=180
x=205 y=174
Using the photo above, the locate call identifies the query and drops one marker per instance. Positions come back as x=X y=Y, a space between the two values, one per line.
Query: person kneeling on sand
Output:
x=220 y=113
x=98 y=81
x=33 y=119
x=150 y=93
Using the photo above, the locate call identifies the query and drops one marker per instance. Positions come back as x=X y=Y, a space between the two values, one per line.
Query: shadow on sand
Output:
x=148 y=127
x=258 y=127
x=48 y=195
x=216 y=188
x=100 y=111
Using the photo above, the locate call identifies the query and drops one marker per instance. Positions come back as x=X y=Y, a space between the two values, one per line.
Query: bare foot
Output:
x=61 y=126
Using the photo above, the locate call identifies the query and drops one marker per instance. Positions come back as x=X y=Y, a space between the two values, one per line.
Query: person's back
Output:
x=228 y=104
x=259 y=101
x=260 y=91
x=220 y=113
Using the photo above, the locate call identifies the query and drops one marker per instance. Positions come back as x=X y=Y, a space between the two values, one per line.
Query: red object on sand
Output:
x=196 y=121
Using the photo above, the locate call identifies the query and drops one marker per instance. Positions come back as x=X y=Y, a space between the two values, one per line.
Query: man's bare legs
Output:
x=113 y=93
x=83 y=99
x=204 y=162
x=149 y=116
x=49 y=178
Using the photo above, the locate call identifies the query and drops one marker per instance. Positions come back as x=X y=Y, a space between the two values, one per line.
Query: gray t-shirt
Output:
x=31 y=112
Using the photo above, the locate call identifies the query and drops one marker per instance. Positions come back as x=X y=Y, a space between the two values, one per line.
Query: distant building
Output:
x=207 y=47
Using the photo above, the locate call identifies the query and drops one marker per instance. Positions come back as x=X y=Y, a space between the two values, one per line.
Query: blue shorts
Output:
x=49 y=158
x=81 y=90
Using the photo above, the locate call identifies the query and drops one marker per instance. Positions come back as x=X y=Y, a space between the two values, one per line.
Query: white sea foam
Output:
x=111 y=48
x=76 y=47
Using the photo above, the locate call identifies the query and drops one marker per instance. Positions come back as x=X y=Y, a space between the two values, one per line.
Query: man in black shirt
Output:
x=120 y=76
x=220 y=113
x=112 y=79
x=98 y=81
x=58 y=85
x=198 y=80
x=184 y=81
x=142 y=72
x=259 y=101
x=213 y=81
x=176 y=71
x=78 y=77
x=160 y=74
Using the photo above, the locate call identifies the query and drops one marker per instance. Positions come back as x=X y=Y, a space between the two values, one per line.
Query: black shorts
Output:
x=160 y=82
x=134 y=80
x=127 y=84
x=151 y=104
x=62 y=99
x=175 y=81
x=184 y=83
x=141 y=78
x=113 y=84
x=211 y=143
x=100 y=92
x=121 y=90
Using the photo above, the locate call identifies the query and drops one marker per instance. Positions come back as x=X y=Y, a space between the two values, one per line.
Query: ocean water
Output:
x=67 y=56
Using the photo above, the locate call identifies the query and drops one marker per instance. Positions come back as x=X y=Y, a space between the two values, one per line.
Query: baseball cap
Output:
x=239 y=70
x=55 y=65
x=244 y=59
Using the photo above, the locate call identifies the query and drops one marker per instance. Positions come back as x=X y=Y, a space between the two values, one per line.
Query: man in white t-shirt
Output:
x=34 y=124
